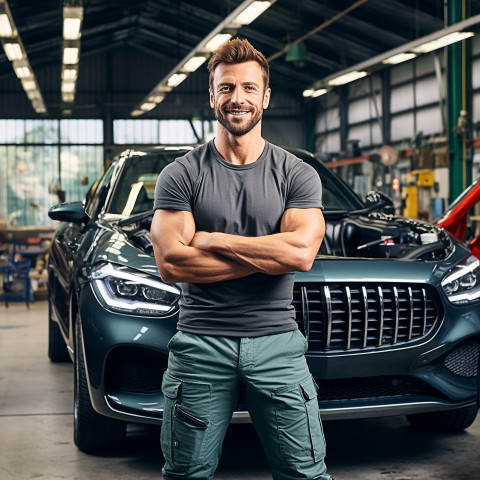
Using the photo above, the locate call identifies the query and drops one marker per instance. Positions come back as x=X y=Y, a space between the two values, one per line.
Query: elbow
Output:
x=305 y=259
x=168 y=273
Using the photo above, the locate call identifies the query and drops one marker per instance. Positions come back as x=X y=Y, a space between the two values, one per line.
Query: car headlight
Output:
x=124 y=290
x=462 y=283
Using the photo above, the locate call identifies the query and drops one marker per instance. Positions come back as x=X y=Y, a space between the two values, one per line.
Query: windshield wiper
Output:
x=135 y=218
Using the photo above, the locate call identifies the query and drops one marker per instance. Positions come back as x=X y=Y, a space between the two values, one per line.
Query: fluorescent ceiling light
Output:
x=176 y=79
x=253 y=11
x=70 y=55
x=68 y=87
x=68 y=97
x=13 y=51
x=193 y=63
x=6 y=29
x=308 y=92
x=33 y=94
x=217 y=40
x=29 y=85
x=41 y=110
x=69 y=74
x=23 y=72
x=442 y=42
x=147 y=106
x=71 y=28
x=137 y=113
x=156 y=98
x=399 y=58
x=347 y=78
x=320 y=91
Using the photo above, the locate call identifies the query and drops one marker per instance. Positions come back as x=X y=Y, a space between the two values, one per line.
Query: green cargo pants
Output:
x=201 y=391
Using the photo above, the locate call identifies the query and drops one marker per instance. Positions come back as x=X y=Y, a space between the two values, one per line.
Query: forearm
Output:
x=273 y=254
x=189 y=264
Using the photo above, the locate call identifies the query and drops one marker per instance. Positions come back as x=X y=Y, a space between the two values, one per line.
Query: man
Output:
x=233 y=220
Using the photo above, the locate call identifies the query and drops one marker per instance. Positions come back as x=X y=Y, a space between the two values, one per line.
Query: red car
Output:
x=454 y=220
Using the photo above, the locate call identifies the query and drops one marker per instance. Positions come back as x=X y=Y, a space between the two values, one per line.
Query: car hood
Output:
x=355 y=246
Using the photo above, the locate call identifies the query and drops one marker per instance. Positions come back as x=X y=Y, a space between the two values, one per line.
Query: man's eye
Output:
x=223 y=89
x=250 y=88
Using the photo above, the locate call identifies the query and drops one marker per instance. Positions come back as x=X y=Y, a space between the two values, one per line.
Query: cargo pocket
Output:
x=299 y=428
x=186 y=420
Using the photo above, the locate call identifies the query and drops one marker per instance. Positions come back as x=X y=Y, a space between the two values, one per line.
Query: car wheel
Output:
x=92 y=431
x=57 y=348
x=448 y=421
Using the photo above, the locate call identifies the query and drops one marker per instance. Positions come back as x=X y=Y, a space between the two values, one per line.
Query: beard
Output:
x=237 y=126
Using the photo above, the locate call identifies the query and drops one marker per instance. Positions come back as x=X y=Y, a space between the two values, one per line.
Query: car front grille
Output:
x=339 y=317
x=464 y=360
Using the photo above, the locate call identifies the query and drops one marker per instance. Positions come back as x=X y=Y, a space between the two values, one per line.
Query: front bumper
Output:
x=127 y=355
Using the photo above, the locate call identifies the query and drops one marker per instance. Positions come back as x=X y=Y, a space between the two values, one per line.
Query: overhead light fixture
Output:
x=69 y=74
x=71 y=28
x=442 y=42
x=193 y=63
x=218 y=40
x=22 y=72
x=297 y=54
x=319 y=92
x=156 y=98
x=33 y=94
x=147 y=106
x=243 y=14
x=13 y=51
x=68 y=97
x=70 y=55
x=346 y=78
x=399 y=58
x=6 y=29
x=176 y=79
x=68 y=87
x=251 y=12
x=308 y=92
x=29 y=85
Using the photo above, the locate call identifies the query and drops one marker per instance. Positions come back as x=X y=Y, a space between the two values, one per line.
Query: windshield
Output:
x=336 y=194
x=135 y=188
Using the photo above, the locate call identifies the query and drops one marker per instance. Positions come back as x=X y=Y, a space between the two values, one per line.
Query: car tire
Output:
x=92 y=431
x=57 y=348
x=447 y=421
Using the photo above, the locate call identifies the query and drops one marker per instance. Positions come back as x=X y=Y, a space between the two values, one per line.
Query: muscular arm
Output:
x=178 y=261
x=293 y=249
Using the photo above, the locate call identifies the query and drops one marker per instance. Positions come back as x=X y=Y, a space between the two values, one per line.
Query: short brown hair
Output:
x=238 y=50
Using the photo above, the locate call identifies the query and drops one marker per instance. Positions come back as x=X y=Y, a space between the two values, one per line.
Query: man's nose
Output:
x=237 y=95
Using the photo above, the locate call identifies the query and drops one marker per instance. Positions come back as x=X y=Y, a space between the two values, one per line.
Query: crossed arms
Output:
x=184 y=255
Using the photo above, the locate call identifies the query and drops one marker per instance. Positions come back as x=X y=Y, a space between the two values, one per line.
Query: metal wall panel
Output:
x=476 y=73
x=377 y=137
x=328 y=143
x=402 y=127
x=476 y=107
x=426 y=91
x=401 y=73
x=401 y=98
x=424 y=65
x=429 y=121
x=328 y=120
x=285 y=133
x=362 y=133
x=475 y=45
x=360 y=110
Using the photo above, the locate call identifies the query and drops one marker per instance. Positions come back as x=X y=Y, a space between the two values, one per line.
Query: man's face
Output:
x=238 y=97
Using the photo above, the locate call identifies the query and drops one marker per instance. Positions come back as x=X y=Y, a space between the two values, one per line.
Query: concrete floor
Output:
x=36 y=429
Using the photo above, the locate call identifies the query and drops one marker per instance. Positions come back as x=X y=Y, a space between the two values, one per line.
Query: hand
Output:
x=201 y=240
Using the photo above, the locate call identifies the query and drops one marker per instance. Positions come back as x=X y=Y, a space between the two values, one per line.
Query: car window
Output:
x=135 y=188
x=97 y=193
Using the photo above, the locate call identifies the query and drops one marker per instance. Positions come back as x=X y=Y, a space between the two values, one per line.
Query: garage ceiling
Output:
x=166 y=31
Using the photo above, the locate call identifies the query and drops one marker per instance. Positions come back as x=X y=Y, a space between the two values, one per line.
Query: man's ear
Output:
x=212 y=99
x=266 y=98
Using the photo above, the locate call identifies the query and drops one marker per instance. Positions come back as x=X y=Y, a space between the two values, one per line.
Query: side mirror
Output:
x=381 y=199
x=69 y=212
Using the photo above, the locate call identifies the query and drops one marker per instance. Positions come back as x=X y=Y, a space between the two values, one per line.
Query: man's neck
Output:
x=241 y=150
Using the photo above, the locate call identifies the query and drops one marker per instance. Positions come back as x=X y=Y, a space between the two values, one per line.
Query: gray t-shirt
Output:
x=244 y=200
